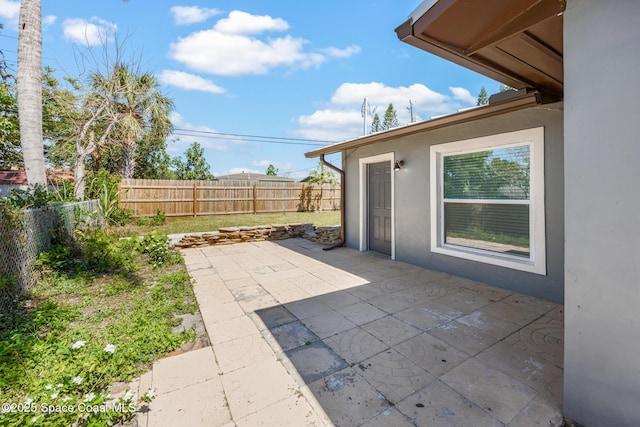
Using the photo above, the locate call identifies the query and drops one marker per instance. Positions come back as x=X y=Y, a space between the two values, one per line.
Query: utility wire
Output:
x=222 y=135
x=255 y=136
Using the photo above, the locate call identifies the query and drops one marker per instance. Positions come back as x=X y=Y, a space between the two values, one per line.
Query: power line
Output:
x=266 y=141
x=255 y=136
x=222 y=135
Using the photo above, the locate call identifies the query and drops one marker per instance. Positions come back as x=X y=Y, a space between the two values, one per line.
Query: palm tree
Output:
x=142 y=109
x=29 y=90
x=119 y=108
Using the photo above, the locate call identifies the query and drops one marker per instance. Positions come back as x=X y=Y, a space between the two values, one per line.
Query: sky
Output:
x=257 y=82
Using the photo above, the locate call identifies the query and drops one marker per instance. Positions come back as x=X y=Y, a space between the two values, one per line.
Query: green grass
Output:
x=213 y=223
x=133 y=308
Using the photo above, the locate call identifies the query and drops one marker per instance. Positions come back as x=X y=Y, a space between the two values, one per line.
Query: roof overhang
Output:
x=516 y=42
x=499 y=104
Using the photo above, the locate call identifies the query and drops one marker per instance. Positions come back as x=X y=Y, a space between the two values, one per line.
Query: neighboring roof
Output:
x=498 y=104
x=19 y=177
x=516 y=42
x=250 y=176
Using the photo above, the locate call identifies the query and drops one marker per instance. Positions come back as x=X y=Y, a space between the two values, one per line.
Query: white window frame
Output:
x=536 y=263
x=364 y=162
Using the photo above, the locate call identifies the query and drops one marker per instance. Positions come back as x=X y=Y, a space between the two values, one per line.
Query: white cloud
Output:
x=188 y=81
x=331 y=124
x=184 y=15
x=183 y=132
x=49 y=20
x=93 y=32
x=342 y=53
x=240 y=22
x=463 y=95
x=241 y=170
x=342 y=119
x=9 y=13
x=233 y=47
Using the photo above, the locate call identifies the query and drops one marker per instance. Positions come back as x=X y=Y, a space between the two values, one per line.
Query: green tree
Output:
x=376 y=126
x=56 y=129
x=152 y=160
x=483 y=98
x=94 y=120
x=59 y=103
x=322 y=175
x=195 y=166
x=272 y=170
x=141 y=109
x=10 y=153
x=497 y=174
x=504 y=88
x=390 y=119
x=117 y=110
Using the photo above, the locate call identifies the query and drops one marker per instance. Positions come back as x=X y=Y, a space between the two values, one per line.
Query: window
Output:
x=487 y=200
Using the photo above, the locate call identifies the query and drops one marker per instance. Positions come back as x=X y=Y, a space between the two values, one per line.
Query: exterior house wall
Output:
x=412 y=200
x=602 y=183
x=5 y=189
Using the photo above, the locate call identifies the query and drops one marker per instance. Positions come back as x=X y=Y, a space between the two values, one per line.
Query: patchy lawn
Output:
x=213 y=223
x=97 y=316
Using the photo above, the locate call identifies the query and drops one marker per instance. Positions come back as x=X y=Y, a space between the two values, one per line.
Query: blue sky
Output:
x=278 y=69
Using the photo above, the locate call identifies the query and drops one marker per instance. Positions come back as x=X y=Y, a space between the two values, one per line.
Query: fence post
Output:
x=255 y=199
x=195 y=198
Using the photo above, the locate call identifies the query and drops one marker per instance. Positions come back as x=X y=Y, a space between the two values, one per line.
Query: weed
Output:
x=158 y=247
x=104 y=186
x=90 y=322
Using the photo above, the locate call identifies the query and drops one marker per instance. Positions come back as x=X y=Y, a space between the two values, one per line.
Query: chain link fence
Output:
x=27 y=234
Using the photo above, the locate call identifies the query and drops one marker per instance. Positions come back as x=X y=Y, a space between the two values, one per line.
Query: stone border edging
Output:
x=232 y=235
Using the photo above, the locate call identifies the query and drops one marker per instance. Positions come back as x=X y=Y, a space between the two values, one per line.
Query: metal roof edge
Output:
x=529 y=100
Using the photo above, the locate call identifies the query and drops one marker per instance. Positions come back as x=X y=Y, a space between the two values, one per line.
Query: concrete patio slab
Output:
x=479 y=383
x=185 y=369
x=431 y=354
x=348 y=398
x=328 y=323
x=362 y=312
x=191 y=406
x=437 y=405
x=391 y=331
x=314 y=361
x=256 y=387
x=304 y=337
x=421 y=318
x=469 y=339
x=390 y=417
x=395 y=376
x=294 y=411
x=356 y=345
x=242 y=352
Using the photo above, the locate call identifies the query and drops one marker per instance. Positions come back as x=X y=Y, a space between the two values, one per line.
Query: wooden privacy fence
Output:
x=145 y=197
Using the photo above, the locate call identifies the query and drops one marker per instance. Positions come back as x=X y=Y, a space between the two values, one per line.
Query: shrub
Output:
x=104 y=186
x=102 y=251
x=158 y=247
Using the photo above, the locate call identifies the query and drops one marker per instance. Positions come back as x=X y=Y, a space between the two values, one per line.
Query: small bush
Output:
x=158 y=247
x=104 y=186
x=158 y=219
x=102 y=251
x=56 y=258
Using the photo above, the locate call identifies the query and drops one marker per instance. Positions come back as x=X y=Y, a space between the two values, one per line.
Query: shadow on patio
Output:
x=368 y=341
